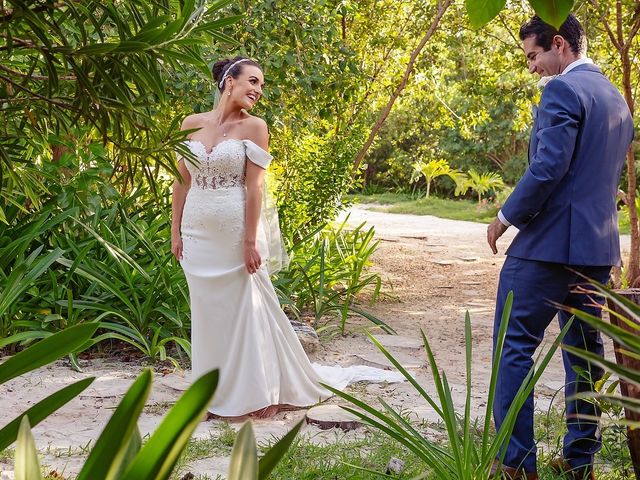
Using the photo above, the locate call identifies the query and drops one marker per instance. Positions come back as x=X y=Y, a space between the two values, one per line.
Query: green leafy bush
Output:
x=327 y=275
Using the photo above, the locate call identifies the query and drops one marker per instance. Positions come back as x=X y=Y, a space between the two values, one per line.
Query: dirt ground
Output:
x=435 y=271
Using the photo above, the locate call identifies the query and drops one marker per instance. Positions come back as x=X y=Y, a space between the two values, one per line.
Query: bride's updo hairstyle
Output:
x=230 y=67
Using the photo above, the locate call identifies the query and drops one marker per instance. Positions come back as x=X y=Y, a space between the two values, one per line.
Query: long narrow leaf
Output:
x=270 y=459
x=47 y=350
x=107 y=455
x=27 y=466
x=158 y=457
x=244 y=456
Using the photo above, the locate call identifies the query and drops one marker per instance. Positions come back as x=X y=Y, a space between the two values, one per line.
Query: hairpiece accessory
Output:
x=226 y=72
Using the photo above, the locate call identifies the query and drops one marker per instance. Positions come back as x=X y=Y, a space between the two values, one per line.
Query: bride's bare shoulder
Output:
x=195 y=120
x=256 y=130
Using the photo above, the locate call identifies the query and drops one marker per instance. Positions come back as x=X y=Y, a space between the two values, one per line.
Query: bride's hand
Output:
x=252 y=259
x=176 y=246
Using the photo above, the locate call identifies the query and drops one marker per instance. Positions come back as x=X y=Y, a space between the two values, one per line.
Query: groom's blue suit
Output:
x=565 y=208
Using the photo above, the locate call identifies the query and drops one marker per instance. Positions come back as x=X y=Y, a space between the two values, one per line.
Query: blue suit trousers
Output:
x=536 y=286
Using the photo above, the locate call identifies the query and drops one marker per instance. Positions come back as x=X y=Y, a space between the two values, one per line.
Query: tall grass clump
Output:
x=91 y=253
x=328 y=275
x=470 y=447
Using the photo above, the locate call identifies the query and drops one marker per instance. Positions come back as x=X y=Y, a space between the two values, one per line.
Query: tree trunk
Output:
x=442 y=8
x=633 y=266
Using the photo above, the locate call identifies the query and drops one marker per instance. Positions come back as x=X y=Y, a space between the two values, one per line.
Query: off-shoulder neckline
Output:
x=213 y=148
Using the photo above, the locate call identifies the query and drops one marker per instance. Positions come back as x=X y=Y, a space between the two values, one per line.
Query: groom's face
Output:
x=541 y=61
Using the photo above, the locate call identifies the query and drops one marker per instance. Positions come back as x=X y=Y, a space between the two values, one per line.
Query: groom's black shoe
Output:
x=499 y=471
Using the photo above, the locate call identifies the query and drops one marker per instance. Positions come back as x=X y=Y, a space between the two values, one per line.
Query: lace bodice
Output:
x=222 y=167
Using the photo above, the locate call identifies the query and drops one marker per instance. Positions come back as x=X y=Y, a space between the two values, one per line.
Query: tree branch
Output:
x=68 y=106
x=442 y=8
x=39 y=78
x=635 y=26
x=603 y=18
x=8 y=13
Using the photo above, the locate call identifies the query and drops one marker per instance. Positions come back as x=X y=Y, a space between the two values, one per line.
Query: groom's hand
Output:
x=494 y=232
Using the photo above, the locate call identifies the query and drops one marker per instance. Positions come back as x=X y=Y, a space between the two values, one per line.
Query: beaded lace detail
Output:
x=222 y=167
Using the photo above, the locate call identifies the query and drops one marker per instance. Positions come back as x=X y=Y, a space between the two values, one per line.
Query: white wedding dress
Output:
x=237 y=324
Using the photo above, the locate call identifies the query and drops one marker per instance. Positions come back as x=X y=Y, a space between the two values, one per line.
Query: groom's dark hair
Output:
x=570 y=30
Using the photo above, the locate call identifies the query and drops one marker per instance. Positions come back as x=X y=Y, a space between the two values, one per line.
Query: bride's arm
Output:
x=179 y=196
x=254 y=183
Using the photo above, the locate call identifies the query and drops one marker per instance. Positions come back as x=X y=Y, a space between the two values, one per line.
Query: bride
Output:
x=220 y=240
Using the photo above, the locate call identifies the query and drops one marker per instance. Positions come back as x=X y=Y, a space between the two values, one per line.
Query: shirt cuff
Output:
x=503 y=220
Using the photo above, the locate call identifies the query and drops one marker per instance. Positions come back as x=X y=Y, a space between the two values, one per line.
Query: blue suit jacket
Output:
x=565 y=203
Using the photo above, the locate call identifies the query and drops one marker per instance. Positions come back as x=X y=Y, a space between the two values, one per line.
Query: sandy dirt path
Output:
x=435 y=271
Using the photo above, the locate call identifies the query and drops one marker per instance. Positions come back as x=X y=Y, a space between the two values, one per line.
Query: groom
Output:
x=565 y=209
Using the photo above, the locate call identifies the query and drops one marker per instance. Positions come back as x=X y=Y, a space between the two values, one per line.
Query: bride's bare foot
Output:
x=266 y=412
x=212 y=416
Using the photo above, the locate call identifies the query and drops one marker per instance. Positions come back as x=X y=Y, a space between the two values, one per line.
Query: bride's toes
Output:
x=266 y=412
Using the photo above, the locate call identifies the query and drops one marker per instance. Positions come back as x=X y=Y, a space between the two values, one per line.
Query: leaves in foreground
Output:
x=468 y=454
x=553 y=12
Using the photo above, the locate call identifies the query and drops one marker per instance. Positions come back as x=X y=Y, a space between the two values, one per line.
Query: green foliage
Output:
x=460 y=209
x=108 y=257
x=483 y=183
x=328 y=274
x=72 y=74
x=554 y=12
x=245 y=464
x=471 y=449
x=437 y=168
x=469 y=103
x=120 y=440
x=624 y=332
x=27 y=466
x=118 y=453
x=36 y=356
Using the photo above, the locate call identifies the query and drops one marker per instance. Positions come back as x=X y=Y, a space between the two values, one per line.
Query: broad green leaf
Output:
x=27 y=466
x=47 y=350
x=553 y=12
x=481 y=12
x=159 y=455
x=42 y=410
x=244 y=456
x=270 y=459
x=107 y=455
